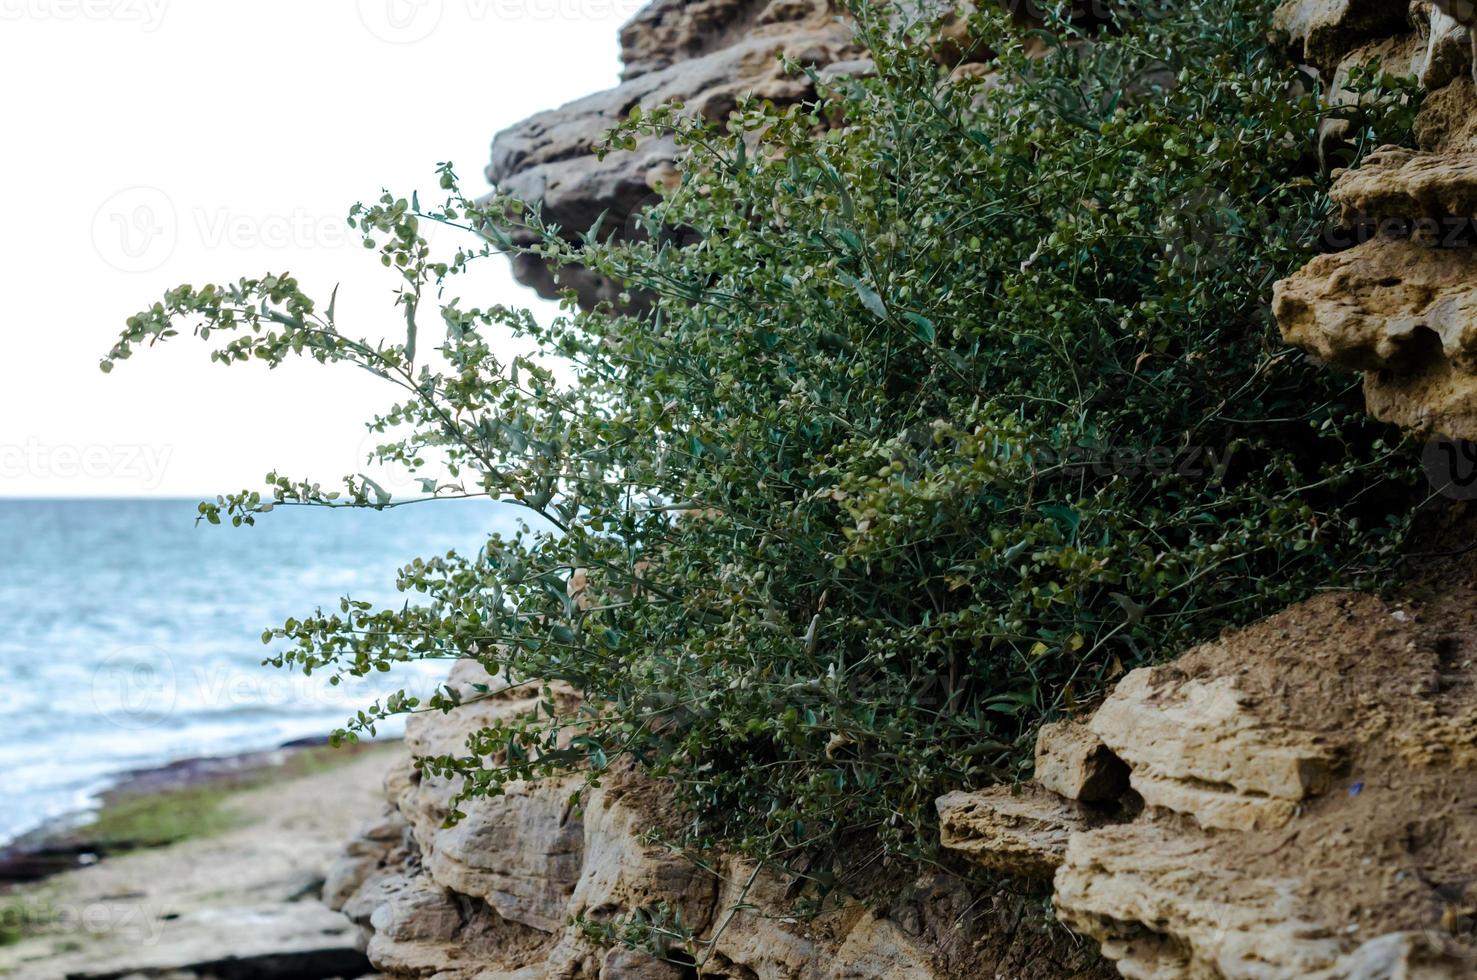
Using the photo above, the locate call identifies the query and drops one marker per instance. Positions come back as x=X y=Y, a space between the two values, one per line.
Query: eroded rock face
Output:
x=496 y=896
x=1328 y=30
x=1302 y=800
x=1398 y=304
x=706 y=53
x=1021 y=831
x=1072 y=761
x=1405 y=314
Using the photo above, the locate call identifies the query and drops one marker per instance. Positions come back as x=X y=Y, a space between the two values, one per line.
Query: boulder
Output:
x=1306 y=788
x=707 y=54
x=1403 y=313
x=1072 y=761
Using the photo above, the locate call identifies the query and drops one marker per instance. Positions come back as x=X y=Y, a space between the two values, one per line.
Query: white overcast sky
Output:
x=148 y=143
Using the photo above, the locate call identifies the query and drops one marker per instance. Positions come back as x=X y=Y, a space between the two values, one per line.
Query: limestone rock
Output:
x=1327 y=30
x=495 y=896
x=631 y=964
x=1129 y=889
x=519 y=852
x=706 y=53
x=1014 y=831
x=1210 y=805
x=1395 y=183
x=1160 y=904
x=1073 y=762
x=262 y=940
x=1306 y=787
x=1403 y=54
x=1387 y=306
x=1447 y=121
x=1450 y=45
x=876 y=947
x=1209 y=734
x=380 y=844
x=1403 y=313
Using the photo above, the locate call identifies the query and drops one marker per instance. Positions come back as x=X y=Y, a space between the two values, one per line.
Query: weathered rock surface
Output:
x=706 y=53
x=241 y=904
x=1395 y=184
x=1398 y=304
x=1326 y=31
x=1072 y=761
x=1302 y=800
x=1019 y=831
x=496 y=895
x=1406 y=315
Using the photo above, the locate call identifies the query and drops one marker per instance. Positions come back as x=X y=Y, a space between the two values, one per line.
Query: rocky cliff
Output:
x=1292 y=800
x=520 y=888
x=1398 y=304
x=706 y=53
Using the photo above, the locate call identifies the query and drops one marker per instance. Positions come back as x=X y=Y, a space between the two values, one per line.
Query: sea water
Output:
x=130 y=635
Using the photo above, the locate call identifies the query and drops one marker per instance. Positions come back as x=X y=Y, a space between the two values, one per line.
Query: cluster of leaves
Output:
x=881 y=462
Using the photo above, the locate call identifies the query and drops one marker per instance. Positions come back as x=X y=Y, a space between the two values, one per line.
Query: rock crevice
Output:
x=1280 y=821
x=1399 y=304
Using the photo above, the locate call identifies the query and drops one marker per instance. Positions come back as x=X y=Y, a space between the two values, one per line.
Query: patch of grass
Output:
x=22 y=917
x=133 y=821
x=156 y=820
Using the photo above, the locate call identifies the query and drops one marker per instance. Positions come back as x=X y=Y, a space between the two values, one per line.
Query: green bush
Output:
x=937 y=403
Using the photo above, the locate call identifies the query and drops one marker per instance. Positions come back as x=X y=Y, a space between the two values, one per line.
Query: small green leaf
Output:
x=869 y=297
x=922 y=327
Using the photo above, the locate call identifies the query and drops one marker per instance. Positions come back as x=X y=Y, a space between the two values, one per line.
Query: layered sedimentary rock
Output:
x=1294 y=800
x=706 y=53
x=1301 y=803
x=501 y=894
x=1399 y=303
x=1021 y=831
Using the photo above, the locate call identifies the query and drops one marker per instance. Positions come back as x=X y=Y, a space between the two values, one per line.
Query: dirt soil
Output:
x=1391 y=684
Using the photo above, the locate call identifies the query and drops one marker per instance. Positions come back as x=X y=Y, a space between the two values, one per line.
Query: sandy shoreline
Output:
x=243 y=891
x=76 y=839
